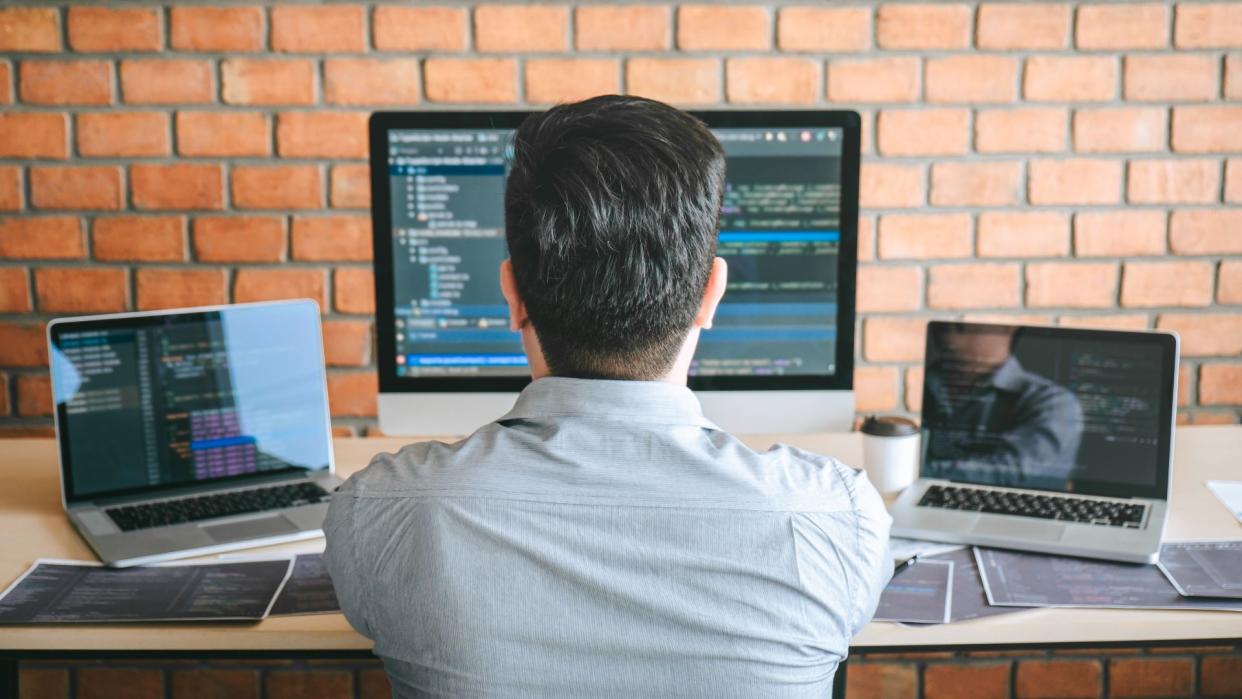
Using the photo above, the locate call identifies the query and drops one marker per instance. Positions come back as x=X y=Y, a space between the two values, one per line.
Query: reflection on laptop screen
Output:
x=1042 y=408
x=176 y=399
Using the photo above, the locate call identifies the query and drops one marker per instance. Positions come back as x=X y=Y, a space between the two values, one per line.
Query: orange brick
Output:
x=10 y=188
x=1128 y=233
x=1229 y=290
x=1028 y=130
x=1148 y=677
x=166 y=81
x=81 y=289
x=975 y=184
x=180 y=288
x=1023 y=234
x=34 y=395
x=979 y=285
x=14 y=296
x=1070 y=78
x=1214 y=335
x=1071 y=285
x=888 y=680
x=239 y=239
x=1220 y=676
x=216 y=28
x=923 y=26
x=273 y=284
x=41 y=238
x=675 y=80
x=438 y=29
x=1119 y=130
x=1170 y=78
x=373 y=683
x=1023 y=26
x=1208 y=25
x=1076 y=181
x=622 y=28
x=556 y=80
x=1220 y=384
x=339 y=238
x=1206 y=232
x=923 y=131
x=222 y=134
x=1130 y=321
x=100 y=29
x=891 y=79
x=887 y=185
x=972 y=78
x=889 y=288
x=356 y=81
x=347 y=342
x=1128 y=26
x=1173 y=181
x=139 y=239
x=180 y=186
x=318 y=29
x=23 y=345
x=350 y=186
x=490 y=80
x=975 y=680
x=122 y=134
x=723 y=28
x=520 y=28
x=322 y=134
x=267 y=81
x=350 y=394
x=6 y=83
x=1057 y=679
x=353 y=290
x=29 y=29
x=215 y=682
x=1166 y=284
x=770 y=80
x=76 y=187
x=924 y=236
x=894 y=339
x=65 y=82
x=1233 y=181
x=33 y=135
x=1207 y=129
x=875 y=389
x=1202 y=418
x=835 y=29
x=277 y=187
x=1233 y=77
x=866 y=239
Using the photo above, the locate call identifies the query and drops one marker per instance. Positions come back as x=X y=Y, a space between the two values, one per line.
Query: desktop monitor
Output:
x=780 y=355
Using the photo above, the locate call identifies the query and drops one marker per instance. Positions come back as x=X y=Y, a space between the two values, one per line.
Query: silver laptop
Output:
x=189 y=432
x=1044 y=439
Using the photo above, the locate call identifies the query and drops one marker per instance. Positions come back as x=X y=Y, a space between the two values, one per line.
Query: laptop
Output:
x=189 y=432
x=1046 y=439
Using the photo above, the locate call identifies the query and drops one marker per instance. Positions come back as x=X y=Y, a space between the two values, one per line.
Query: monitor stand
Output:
x=738 y=412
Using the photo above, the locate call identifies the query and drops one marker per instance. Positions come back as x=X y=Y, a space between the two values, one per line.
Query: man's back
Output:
x=603 y=539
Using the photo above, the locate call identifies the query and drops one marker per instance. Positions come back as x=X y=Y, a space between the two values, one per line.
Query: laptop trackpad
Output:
x=1019 y=529
x=251 y=528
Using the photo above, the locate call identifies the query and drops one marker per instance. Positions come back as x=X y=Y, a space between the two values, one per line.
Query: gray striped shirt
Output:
x=604 y=539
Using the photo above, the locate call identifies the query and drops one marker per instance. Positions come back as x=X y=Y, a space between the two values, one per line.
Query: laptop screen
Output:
x=153 y=401
x=1061 y=409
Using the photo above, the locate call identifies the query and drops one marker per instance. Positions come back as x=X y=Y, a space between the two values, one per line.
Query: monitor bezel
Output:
x=1169 y=346
x=381 y=217
x=57 y=327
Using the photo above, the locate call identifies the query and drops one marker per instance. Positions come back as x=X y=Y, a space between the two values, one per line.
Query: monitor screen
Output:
x=787 y=233
x=165 y=400
x=1048 y=408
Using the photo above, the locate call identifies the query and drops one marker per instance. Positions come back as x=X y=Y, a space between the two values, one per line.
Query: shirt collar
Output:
x=1009 y=376
x=632 y=401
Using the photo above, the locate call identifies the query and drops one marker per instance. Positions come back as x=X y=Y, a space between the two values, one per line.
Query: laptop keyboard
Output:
x=160 y=514
x=1058 y=507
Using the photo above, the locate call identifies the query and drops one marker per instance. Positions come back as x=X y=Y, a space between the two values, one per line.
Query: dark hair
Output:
x=611 y=215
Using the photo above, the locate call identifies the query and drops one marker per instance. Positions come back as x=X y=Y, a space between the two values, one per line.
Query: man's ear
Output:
x=717 y=280
x=508 y=288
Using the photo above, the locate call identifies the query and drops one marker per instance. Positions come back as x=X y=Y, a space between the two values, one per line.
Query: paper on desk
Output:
x=309 y=589
x=1019 y=579
x=970 y=600
x=1203 y=568
x=59 y=591
x=921 y=593
x=1230 y=495
x=904 y=549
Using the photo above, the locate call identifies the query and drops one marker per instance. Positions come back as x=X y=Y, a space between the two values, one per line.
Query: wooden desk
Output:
x=33 y=526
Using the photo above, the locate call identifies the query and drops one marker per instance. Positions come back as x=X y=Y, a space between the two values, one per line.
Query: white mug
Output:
x=890 y=452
